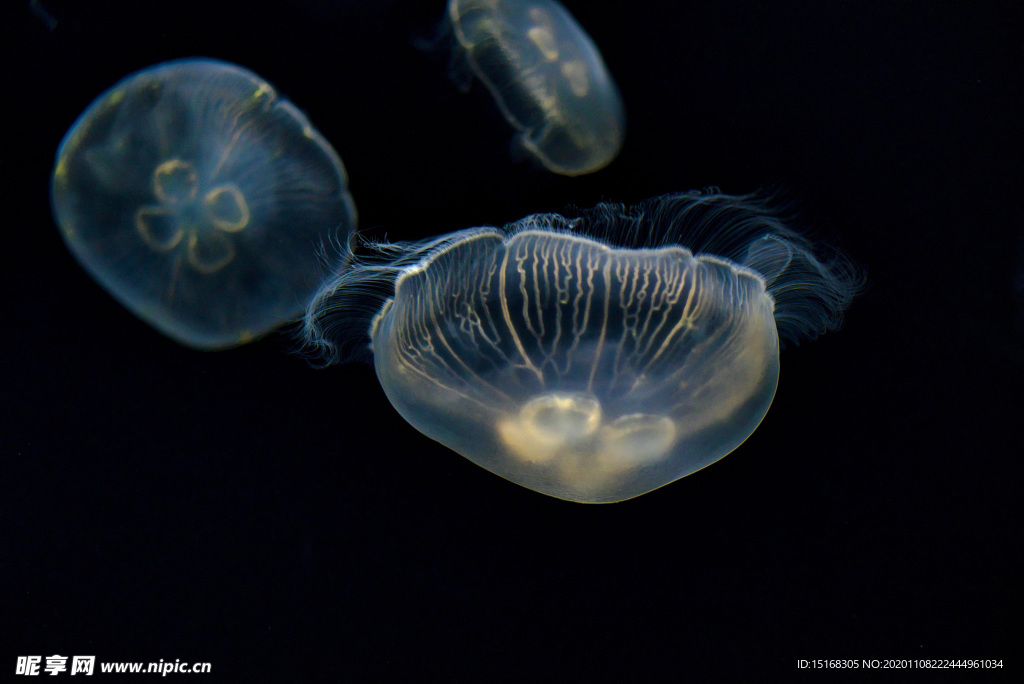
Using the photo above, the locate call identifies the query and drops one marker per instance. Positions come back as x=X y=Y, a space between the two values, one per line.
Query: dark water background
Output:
x=284 y=523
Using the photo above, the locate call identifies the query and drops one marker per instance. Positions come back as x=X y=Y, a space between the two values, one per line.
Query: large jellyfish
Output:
x=547 y=77
x=200 y=200
x=596 y=358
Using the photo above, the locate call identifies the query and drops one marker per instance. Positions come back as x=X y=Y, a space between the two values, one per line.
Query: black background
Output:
x=284 y=523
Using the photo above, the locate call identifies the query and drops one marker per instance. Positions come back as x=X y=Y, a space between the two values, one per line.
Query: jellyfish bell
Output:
x=595 y=358
x=200 y=200
x=546 y=76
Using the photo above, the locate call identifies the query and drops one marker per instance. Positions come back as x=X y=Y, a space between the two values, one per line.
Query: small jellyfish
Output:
x=596 y=358
x=200 y=200
x=547 y=77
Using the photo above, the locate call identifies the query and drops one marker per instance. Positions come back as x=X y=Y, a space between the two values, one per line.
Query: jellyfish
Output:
x=592 y=358
x=547 y=77
x=200 y=200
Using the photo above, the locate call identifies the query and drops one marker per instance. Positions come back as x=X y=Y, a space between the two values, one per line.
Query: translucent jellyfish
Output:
x=547 y=77
x=593 y=359
x=200 y=199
